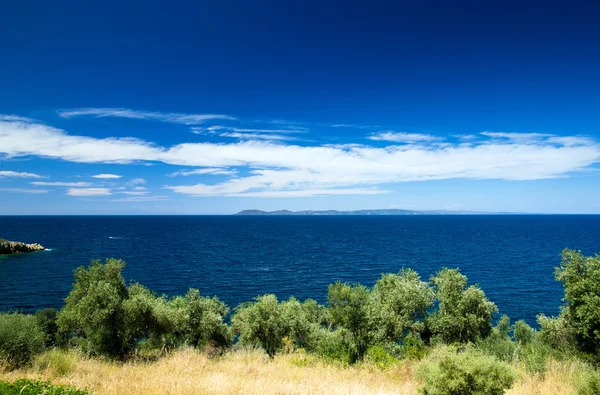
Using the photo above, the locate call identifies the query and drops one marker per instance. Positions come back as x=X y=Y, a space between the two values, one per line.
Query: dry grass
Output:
x=251 y=372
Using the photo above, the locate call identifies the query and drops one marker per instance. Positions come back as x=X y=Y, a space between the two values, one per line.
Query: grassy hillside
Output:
x=252 y=372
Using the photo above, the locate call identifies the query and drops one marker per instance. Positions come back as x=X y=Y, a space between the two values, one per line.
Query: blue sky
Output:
x=214 y=107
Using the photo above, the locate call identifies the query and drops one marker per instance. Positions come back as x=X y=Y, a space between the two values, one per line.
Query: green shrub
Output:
x=46 y=320
x=580 y=276
x=379 y=357
x=333 y=346
x=464 y=314
x=502 y=349
x=590 y=385
x=93 y=311
x=260 y=323
x=37 y=387
x=398 y=304
x=523 y=333
x=21 y=339
x=413 y=347
x=535 y=355
x=61 y=362
x=349 y=309
x=447 y=372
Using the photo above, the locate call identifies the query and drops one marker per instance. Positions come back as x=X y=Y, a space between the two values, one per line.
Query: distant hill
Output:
x=366 y=212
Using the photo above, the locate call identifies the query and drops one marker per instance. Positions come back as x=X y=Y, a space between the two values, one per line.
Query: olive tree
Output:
x=93 y=313
x=580 y=276
x=464 y=314
x=398 y=305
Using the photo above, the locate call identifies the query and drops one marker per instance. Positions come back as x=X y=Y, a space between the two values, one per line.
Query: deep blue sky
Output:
x=320 y=105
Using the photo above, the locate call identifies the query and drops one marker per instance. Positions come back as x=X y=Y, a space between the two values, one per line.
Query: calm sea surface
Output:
x=240 y=257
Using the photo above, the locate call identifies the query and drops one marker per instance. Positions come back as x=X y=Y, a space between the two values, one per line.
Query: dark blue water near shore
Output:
x=238 y=258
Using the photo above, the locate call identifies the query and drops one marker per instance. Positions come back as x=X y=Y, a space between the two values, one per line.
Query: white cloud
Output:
x=137 y=181
x=22 y=190
x=186 y=119
x=89 y=192
x=401 y=137
x=256 y=136
x=135 y=193
x=61 y=184
x=207 y=170
x=141 y=199
x=16 y=174
x=5 y=117
x=286 y=169
x=107 y=176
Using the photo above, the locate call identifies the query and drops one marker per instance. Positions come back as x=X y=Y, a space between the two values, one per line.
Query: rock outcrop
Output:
x=16 y=247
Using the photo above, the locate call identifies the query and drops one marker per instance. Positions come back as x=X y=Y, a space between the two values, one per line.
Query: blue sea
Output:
x=512 y=257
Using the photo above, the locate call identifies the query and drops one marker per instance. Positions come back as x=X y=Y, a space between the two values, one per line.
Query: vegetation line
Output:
x=442 y=327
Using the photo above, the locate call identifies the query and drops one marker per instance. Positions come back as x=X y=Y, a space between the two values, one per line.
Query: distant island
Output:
x=367 y=212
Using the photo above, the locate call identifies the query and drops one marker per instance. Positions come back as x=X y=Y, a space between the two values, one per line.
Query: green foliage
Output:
x=349 y=308
x=46 y=320
x=523 y=333
x=413 y=347
x=261 y=323
x=464 y=313
x=379 y=357
x=557 y=333
x=93 y=312
x=333 y=346
x=580 y=276
x=500 y=348
x=590 y=385
x=21 y=339
x=37 y=387
x=61 y=362
x=206 y=320
x=398 y=304
x=447 y=372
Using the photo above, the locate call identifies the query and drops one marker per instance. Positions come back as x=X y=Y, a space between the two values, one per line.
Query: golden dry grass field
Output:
x=252 y=372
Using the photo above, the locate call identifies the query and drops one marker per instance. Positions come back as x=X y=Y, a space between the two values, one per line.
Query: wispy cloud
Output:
x=291 y=170
x=61 y=184
x=247 y=134
x=89 y=192
x=23 y=190
x=185 y=119
x=16 y=174
x=14 y=118
x=107 y=176
x=401 y=137
x=208 y=170
x=141 y=199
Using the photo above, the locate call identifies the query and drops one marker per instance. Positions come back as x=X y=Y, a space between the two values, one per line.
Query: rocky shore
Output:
x=16 y=247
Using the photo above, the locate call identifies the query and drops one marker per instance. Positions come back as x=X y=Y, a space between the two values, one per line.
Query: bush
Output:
x=46 y=320
x=60 y=362
x=260 y=323
x=464 y=313
x=94 y=313
x=413 y=347
x=502 y=349
x=449 y=373
x=333 y=346
x=37 y=387
x=379 y=357
x=398 y=304
x=20 y=339
x=523 y=333
x=590 y=385
x=580 y=276
x=349 y=309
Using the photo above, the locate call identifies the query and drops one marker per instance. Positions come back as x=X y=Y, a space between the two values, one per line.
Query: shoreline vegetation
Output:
x=403 y=335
